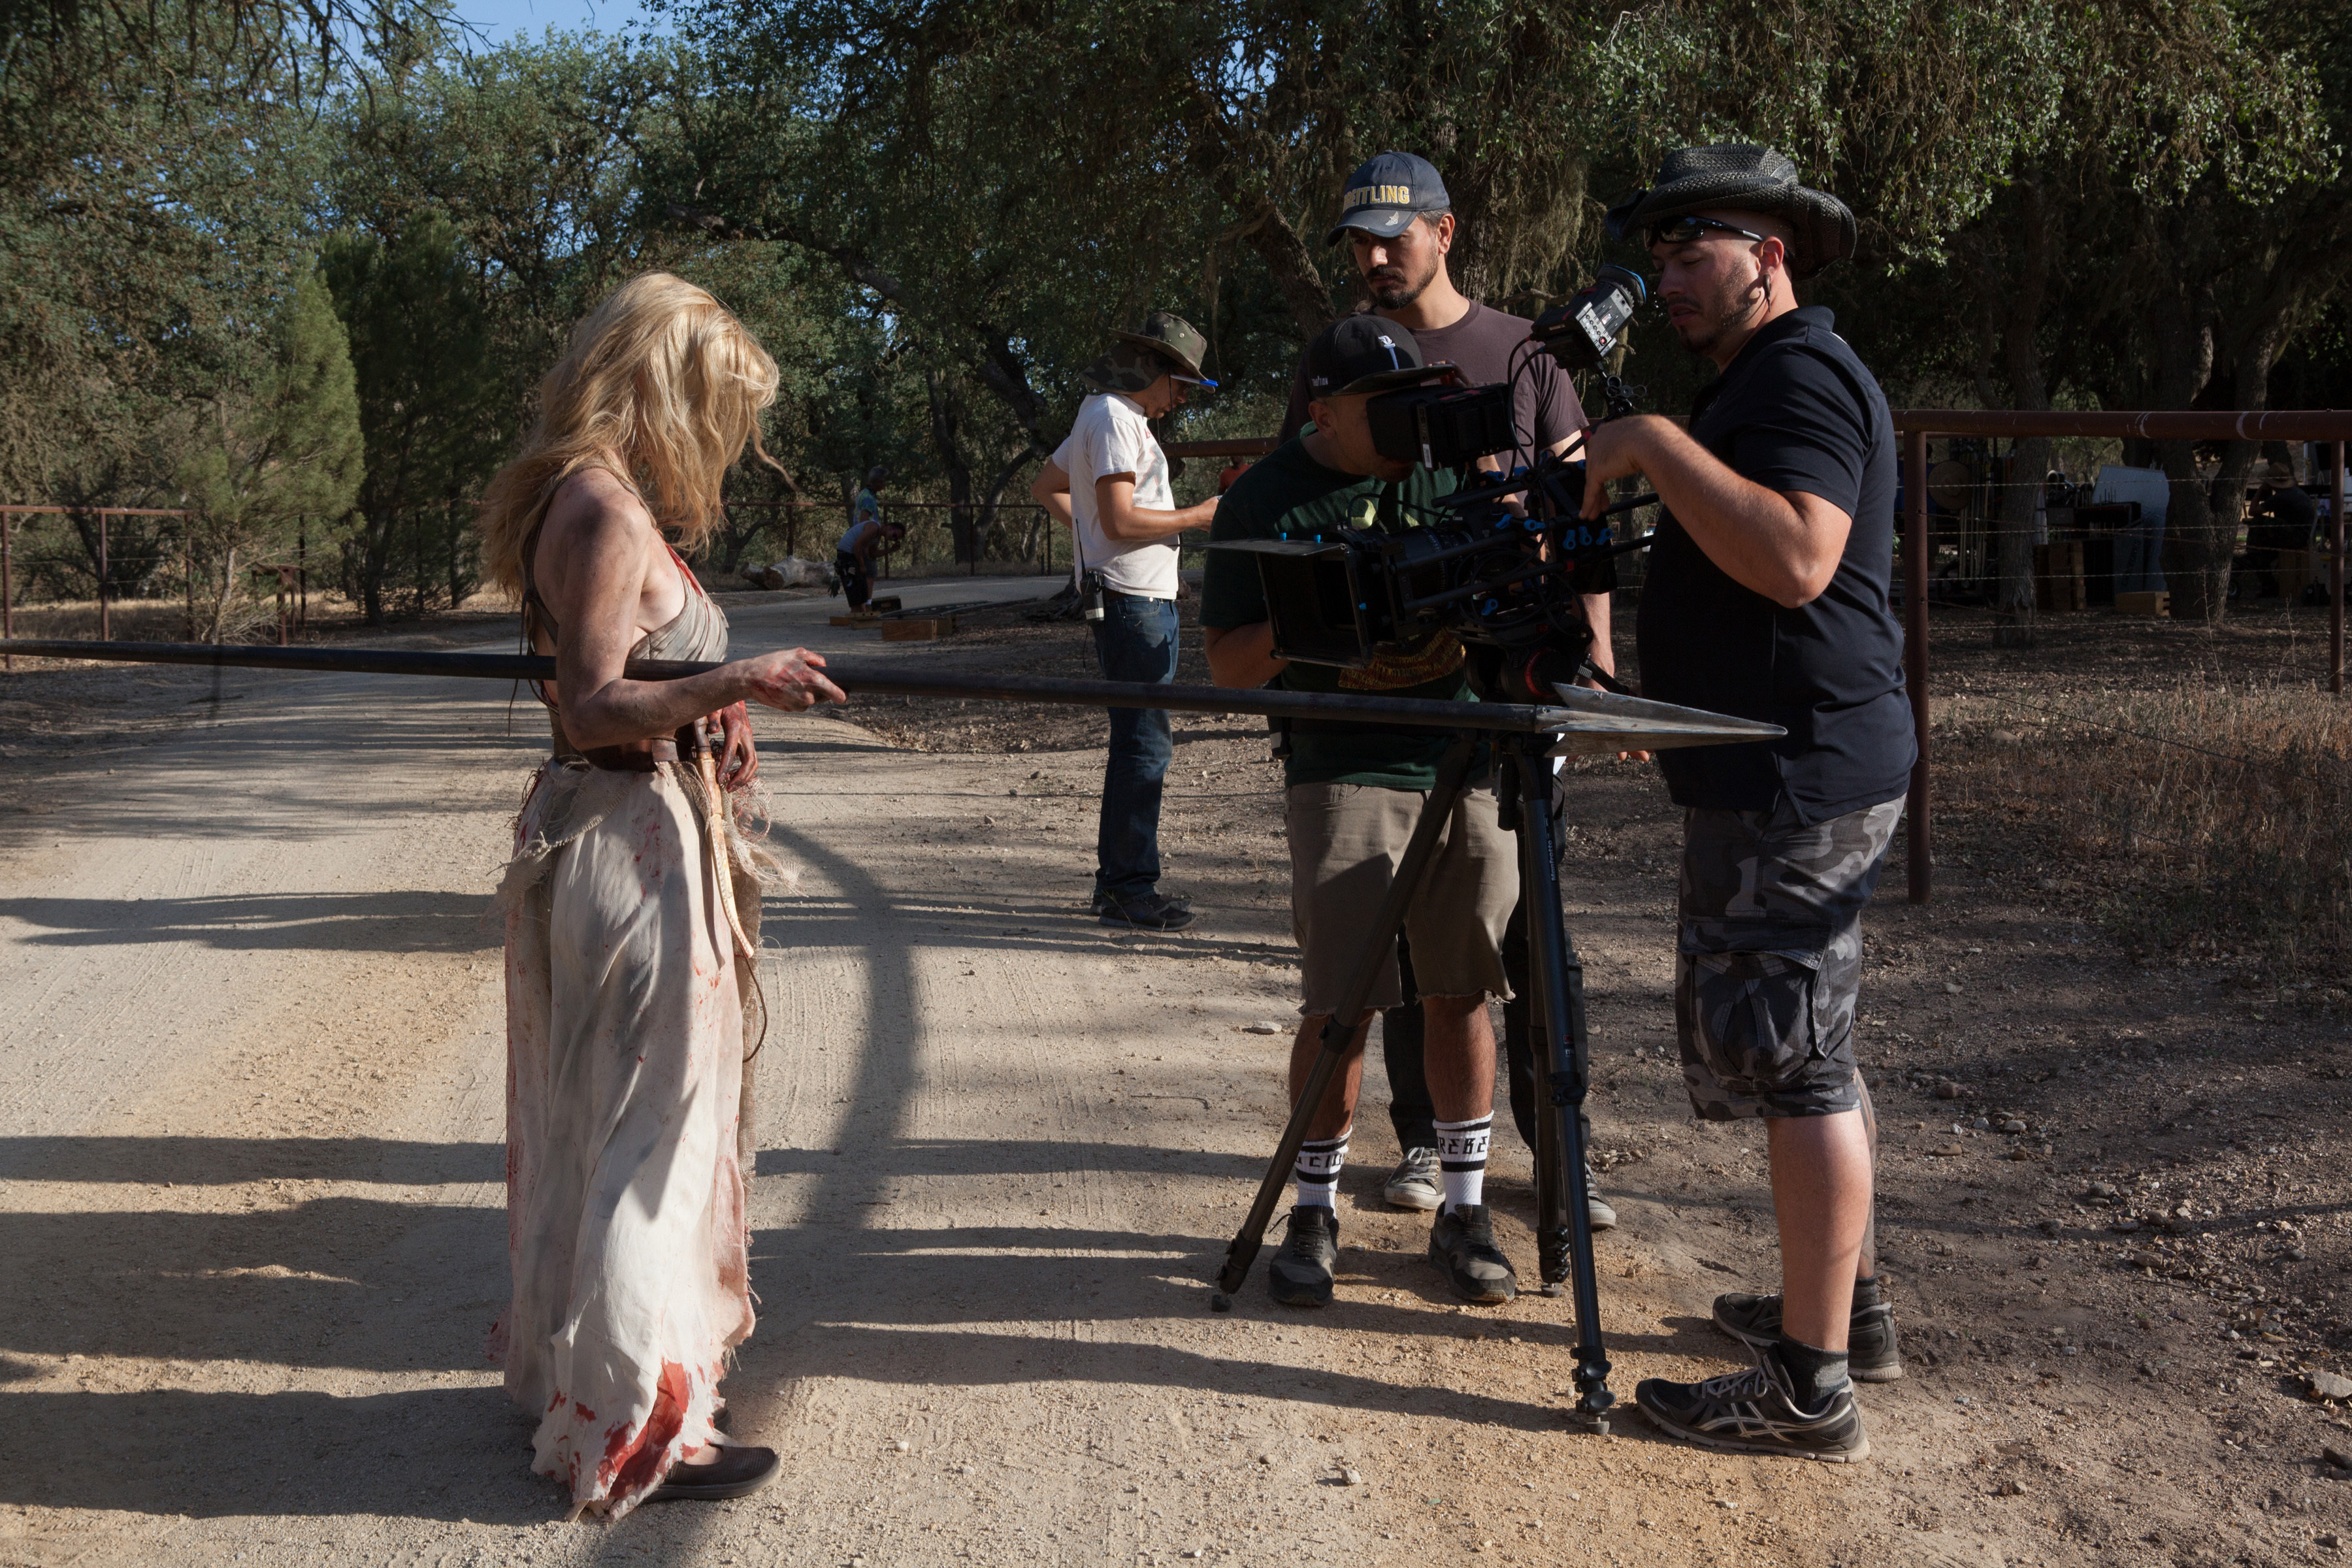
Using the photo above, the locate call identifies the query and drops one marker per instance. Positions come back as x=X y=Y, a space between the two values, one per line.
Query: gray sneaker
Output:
x=1873 y=1356
x=1462 y=1243
x=1301 y=1274
x=1596 y=1207
x=1413 y=1184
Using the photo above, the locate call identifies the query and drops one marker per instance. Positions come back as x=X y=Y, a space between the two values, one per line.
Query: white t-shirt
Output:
x=1112 y=436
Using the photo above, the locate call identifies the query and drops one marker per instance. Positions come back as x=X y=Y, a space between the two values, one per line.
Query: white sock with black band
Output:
x=1318 y=1170
x=1461 y=1160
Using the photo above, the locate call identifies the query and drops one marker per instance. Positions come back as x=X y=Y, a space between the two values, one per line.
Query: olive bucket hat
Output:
x=1165 y=344
x=1738 y=177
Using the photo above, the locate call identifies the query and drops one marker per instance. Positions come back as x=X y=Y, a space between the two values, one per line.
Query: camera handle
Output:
x=1563 y=1221
x=1618 y=398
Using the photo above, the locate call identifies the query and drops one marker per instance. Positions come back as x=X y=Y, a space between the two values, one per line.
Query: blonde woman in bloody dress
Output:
x=632 y=909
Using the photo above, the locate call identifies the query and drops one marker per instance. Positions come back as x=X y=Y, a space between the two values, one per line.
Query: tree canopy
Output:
x=934 y=213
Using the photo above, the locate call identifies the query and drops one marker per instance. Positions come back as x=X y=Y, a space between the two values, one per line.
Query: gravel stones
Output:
x=2329 y=1386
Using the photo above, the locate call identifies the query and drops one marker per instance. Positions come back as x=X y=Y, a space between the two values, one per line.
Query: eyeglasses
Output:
x=1688 y=227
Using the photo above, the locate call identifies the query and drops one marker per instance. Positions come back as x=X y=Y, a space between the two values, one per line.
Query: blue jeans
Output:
x=1135 y=640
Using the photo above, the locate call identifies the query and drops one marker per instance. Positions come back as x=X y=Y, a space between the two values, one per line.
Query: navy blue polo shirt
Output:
x=1795 y=411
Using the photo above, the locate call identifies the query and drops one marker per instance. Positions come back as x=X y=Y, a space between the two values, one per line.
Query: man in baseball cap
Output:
x=1353 y=796
x=1398 y=225
x=1109 y=481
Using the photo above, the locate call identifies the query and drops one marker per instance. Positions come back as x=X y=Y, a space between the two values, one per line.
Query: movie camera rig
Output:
x=1508 y=561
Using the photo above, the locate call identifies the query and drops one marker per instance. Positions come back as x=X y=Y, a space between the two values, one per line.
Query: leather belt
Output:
x=628 y=760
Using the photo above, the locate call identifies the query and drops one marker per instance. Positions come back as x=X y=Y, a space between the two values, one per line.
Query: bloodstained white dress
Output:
x=626 y=1005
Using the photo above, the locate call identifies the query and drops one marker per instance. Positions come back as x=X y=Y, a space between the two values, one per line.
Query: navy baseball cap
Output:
x=1366 y=353
x=1386 y=194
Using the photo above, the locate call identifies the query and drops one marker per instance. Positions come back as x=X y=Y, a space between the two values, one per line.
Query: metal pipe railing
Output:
x=1920 y=864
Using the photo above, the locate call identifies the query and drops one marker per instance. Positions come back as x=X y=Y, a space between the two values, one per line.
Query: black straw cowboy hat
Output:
x=1742 y=178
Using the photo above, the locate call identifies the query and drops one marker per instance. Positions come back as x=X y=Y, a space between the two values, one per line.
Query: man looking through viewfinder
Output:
x=1352 y=796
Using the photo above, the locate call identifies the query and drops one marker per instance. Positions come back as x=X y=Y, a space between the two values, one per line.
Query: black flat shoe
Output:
x=737 y=1472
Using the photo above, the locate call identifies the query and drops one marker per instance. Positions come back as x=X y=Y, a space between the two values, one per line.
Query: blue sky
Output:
x=500 y=20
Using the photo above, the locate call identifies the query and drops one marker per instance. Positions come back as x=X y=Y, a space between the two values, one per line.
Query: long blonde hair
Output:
x=661 y=383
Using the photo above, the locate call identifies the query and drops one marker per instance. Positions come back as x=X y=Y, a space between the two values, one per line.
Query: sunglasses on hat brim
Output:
x=1683 y=230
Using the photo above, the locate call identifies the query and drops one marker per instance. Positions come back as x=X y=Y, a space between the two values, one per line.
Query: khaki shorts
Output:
x=1346 y=841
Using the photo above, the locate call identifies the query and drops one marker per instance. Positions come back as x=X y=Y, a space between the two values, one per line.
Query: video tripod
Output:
x=1563 y=1227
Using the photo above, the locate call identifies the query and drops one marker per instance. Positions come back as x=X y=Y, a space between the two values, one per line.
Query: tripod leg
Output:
x=1452 y=773
x=1564 y=1222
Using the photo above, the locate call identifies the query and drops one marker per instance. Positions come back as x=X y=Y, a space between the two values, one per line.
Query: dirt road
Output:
x=250 y=1116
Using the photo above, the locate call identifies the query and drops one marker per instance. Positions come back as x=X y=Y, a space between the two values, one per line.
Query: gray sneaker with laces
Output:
x=1300 y=1273
x=1413 y=1184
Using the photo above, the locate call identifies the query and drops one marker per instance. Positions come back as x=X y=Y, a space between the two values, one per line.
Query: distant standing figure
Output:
x=1109 y=483
x=853 y=558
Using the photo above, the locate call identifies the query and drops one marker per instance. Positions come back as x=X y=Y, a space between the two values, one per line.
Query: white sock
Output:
x=1318 y=1170
x=1461 y=1160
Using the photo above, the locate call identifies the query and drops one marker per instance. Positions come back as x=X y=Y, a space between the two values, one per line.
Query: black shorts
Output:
x=854 y=585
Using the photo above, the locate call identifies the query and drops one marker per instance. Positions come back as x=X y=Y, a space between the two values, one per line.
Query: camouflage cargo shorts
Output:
x=1769 y=958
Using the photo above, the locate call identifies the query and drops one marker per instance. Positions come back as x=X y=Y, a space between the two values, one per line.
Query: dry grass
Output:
x=2207 y=819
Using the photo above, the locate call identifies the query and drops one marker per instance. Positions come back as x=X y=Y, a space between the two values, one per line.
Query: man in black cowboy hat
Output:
x=1110 y=482
x=1351 y=799
x=1768 y=597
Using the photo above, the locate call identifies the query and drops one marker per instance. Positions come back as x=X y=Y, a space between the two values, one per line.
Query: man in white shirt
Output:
x=1110 y=482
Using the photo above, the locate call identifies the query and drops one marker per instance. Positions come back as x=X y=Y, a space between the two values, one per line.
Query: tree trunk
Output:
x=946 y=439
x=994 y=496
x=2183 y=330
x=2013 y=309
x=1277 y=244
x=2225 y=500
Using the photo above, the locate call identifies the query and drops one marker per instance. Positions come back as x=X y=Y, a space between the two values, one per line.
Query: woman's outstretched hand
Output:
x=792 y=681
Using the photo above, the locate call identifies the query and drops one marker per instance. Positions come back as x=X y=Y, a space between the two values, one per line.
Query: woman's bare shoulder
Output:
x=596 y=500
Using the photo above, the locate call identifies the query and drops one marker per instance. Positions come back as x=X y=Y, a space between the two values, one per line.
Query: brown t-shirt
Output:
x=1487 y=345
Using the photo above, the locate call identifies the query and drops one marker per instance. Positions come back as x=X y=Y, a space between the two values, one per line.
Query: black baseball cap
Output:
x=1366 y=353
x=1386 y=194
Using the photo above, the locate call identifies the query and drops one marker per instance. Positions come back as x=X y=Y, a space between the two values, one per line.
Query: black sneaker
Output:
x=1301 y=1274
x=1872 y=1355
x=1754 y=1412
x=737 y=1472
x=1462 y=1243
x=1155 y=910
